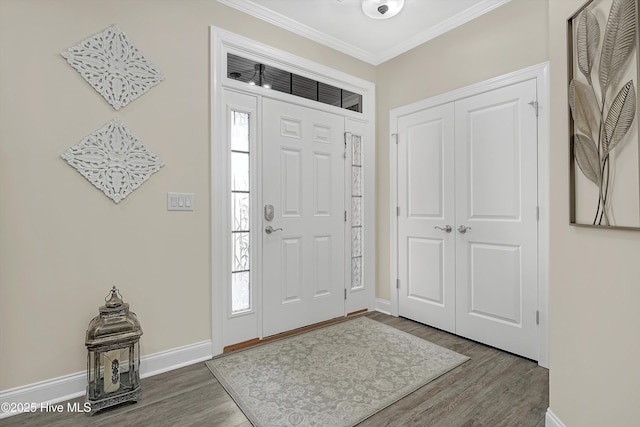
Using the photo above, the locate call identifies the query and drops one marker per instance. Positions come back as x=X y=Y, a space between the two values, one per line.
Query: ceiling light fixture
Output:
x=382 y=9
x=262 y=81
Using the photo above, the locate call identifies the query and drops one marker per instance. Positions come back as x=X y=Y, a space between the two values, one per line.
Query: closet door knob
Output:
x=446 y=229
x=462 y=229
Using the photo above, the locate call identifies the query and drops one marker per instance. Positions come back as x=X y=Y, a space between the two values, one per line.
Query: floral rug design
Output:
x=335 y=376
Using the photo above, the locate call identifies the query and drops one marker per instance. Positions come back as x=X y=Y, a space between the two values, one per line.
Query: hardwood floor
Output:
x=492 y=389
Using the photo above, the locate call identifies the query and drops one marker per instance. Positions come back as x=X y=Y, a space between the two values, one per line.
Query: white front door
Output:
x=303 y=180
x=472 y=165
x=426 y=243
x=496 y=200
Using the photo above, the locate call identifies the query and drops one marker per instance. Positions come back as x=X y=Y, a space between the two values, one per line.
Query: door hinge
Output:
x=346 y=137
x=538 y=213
x=397 y=210
x=395 y=136
x=345 y=293
x=534 y=104
x=537 y=317
x=397 y=283
x=345 y=216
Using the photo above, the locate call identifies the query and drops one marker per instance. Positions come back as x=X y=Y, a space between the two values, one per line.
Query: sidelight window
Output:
x=240 y=206
x=356 y=212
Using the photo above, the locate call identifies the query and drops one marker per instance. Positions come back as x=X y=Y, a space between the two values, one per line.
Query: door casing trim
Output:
x=222 y=42
x=540 y=73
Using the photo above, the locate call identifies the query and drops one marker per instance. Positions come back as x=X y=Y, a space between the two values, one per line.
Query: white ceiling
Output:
x=341 y=24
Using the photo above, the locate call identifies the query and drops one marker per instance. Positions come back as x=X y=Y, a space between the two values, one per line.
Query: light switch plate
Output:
x=179 y=201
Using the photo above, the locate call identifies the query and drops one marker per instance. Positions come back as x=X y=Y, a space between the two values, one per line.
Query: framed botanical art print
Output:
x=603 y=79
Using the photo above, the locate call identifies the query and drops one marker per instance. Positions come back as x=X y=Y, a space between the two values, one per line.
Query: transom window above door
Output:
x=269 y=77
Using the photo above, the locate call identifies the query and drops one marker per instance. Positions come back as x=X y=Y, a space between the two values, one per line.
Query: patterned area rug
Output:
x=334 y=376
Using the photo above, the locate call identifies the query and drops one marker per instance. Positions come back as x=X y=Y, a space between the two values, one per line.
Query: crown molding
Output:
x=286 y=23
x=439 y=29
x=258 y=11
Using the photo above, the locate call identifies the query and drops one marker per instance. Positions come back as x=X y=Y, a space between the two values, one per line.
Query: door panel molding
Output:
x=425 y=152
x=311 y=271
x=223 y=42
x=496 y=196
x=540 y=74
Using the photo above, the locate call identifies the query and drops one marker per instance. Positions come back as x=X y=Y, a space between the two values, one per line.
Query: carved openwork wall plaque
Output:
x=113 y=65
x=114 y=160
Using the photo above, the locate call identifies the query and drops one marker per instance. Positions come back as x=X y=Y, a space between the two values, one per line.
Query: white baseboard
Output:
x=551 y=420
x=169 y=360
x=383 y=306
x=74 y=385
x=52 y=391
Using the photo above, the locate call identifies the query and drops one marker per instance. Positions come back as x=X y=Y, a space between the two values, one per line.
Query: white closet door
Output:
x=471 y=165
x=426 y=250
x=496 y=203
x=303 y=179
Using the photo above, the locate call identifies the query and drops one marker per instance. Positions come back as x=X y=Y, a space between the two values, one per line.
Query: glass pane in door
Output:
x=240 y=208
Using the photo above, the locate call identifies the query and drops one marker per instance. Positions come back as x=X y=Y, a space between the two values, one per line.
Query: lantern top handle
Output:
x=114 y=298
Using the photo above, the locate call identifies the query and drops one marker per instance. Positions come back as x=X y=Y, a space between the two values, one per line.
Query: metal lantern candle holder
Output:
x=113 y=355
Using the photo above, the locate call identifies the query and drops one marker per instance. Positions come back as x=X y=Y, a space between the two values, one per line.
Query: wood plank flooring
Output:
x=493 y=389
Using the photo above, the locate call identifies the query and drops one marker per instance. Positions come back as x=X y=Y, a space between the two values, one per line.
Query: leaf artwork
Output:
x=583 y=103
x=588 y=42
x=599 y=125
x=620 y=117
x=619 y=41
x=586 y=154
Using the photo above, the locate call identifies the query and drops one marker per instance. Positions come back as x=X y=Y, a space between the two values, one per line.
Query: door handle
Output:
x=446 y=228
x=270 y=229
x=462 y=229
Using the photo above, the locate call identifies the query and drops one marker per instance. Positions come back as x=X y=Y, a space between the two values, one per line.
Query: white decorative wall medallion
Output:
x=114 y=160
x=113 y=66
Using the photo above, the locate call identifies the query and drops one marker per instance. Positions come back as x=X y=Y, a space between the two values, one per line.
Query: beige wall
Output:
x=595 y=286
x=507 y=39
x=63 y=244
